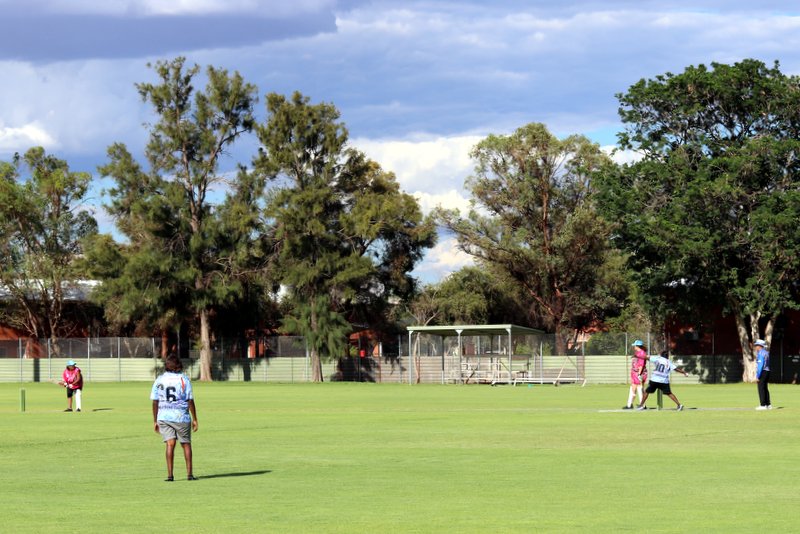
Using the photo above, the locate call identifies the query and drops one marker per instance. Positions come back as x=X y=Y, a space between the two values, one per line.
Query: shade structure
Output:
x=467 y=330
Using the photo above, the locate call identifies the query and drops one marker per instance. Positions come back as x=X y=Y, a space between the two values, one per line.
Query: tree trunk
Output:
x=316 y=364
x=164 y=344
x=747 y=336
x=205 y=347
x=561 y=340
x=417 y=362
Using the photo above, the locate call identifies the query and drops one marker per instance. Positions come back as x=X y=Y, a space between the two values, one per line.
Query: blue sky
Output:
x=418 y=83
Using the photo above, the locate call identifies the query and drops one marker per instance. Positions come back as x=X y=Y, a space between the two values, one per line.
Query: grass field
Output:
x=349 y=458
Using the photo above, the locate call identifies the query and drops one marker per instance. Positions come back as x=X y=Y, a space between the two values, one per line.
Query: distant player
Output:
x=638 y=373
x=72 y=379
x=762 y=374
x=174 y=414
x=662 y=367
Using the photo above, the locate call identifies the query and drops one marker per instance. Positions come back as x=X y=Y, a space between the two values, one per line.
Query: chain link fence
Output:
x=597 y=358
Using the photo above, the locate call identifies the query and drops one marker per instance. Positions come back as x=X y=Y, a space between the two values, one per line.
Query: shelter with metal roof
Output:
x=496 y=353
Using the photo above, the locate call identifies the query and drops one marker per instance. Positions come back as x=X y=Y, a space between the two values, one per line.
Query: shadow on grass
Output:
x=102 y=409
x=241 y=474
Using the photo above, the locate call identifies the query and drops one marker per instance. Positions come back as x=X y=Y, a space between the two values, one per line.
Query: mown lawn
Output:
x=349 y=458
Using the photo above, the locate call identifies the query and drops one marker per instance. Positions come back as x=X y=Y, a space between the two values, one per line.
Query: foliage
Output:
x=42 y=223
x=535 y=221
x=709 y=213
x=479 y=295
x=186 y=255
x=346 y=236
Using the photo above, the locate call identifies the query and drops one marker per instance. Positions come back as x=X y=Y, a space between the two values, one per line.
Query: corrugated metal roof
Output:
x=475 y=330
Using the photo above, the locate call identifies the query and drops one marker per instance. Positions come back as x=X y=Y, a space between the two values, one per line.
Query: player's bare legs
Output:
x=170 y=457
x=674 y=399
x=187 y=455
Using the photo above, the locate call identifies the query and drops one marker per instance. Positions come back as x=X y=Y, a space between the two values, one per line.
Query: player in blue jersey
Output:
x=762 y=374
x=174 y=413
x=662 y=367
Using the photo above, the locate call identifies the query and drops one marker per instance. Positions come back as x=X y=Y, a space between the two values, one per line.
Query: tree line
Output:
x=312 y=237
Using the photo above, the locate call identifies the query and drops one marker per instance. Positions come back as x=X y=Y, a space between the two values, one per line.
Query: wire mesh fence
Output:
x=597 y=358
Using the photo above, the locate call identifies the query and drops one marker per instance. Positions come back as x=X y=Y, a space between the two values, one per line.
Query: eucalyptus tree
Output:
x=479 y=295
x=709 y=213
x=185 y=253
x=534 y=220
x=345 y=233
x=42 y=223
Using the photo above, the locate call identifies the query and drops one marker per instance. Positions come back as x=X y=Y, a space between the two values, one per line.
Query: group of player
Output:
x=662 y=367
x=175 y=415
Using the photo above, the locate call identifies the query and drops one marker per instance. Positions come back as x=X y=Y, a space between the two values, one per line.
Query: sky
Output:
x=418 y=82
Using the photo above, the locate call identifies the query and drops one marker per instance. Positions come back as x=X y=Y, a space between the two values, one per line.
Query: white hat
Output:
x=760 y=342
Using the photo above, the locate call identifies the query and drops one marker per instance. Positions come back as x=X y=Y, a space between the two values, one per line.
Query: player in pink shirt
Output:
x=638 y=373
x=72 y=379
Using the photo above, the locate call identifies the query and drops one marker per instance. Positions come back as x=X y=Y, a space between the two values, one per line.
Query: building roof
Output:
x=475 y=330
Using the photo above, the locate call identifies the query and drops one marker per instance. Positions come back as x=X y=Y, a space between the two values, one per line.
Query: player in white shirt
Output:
x=174 y=413
x=662 y=367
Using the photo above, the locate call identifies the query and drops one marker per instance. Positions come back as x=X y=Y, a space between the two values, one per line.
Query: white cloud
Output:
x=78 y=107
x=452 y=199
x=18 y=139
x=621 y=156
x=443 y=259
x=437 y=165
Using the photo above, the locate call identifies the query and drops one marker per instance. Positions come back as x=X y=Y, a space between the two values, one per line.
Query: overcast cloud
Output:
x=418 y=83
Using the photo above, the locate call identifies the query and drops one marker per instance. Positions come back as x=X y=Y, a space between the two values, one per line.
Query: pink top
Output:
x=73 y=378
x=639 y=364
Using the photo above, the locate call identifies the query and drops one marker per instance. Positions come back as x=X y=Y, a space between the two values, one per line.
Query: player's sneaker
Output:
x=627 y=407
x=769 y=406
x=641 y=408
x=762 y=408
x=680 y=407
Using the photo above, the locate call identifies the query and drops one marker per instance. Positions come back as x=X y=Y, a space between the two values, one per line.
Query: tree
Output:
x=183 y=255
x=345 y=232
x=709 y=213
x=42 y=224
x=423 y=308
x=478 y=295
x=535 y=221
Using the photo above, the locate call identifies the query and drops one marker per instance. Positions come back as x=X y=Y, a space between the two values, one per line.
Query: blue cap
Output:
x=638 y=343
x=71 y=363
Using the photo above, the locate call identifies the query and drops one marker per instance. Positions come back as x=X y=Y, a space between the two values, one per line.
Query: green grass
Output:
x=399 y=458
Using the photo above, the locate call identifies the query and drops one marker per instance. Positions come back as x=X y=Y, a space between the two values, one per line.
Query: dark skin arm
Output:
x=155 y=416
x=193 y=411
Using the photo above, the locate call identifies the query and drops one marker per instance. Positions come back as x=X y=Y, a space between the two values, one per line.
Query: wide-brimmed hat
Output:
x=638 y=343
x=71 y=363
